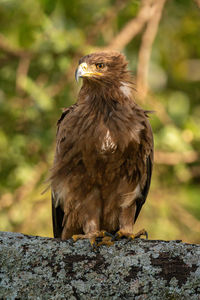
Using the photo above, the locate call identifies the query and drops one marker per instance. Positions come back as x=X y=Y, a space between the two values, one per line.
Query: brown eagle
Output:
x=104 y=155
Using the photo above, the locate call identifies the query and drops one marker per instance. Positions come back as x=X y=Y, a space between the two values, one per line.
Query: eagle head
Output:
x=107 y=67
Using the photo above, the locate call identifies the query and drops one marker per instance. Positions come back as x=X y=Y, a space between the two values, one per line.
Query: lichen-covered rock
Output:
x=44 y=268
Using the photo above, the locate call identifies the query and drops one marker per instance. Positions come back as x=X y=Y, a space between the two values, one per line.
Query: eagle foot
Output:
x=96 y=239
x=120 y=234
x=107 y=240
x=77 y=237
x=101 y=238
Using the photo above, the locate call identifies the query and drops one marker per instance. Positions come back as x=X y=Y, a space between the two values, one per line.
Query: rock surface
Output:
x=34 y=267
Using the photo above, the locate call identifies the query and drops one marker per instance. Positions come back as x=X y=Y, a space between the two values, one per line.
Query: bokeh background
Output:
x=40 y=44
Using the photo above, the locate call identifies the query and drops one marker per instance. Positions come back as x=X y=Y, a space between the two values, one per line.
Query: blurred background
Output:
x=41 y=42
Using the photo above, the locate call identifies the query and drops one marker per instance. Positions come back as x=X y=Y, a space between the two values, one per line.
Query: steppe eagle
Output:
x=104 y=155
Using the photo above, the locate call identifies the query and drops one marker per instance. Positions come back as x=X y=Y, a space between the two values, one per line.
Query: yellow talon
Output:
x=107 y=240
x=93 y=242
x=98 y=238
x=132 y=236
x=119 y=234
x=75 y=237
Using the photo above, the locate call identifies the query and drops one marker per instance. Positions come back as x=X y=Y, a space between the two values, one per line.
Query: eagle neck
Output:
x=100 y=96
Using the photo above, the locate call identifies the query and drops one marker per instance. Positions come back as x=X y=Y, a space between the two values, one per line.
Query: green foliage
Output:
x=40 y=44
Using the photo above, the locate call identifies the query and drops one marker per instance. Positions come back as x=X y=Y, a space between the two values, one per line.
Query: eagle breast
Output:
x=108 y=144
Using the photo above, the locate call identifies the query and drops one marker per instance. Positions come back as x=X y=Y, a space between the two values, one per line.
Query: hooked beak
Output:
x=84 y=71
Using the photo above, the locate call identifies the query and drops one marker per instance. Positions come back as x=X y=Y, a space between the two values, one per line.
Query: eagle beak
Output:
x=83 y=71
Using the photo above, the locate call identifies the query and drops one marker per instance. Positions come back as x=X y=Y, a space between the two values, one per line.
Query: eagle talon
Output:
x=107 y=240
x=109 y=234
x=93 y=243
x=120 y=234
x=140 y=233
x=76 y=237
x=99 y=238
x=104 y=238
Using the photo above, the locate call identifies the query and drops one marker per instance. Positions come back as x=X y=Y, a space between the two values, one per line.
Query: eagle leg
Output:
x=104 y=237
x=119 y=234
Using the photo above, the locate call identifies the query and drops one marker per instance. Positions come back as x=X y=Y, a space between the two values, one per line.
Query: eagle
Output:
x=104 y=155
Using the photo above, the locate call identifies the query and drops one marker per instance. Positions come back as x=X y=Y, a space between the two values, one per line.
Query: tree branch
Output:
x=44 y=268
x=22 y=71
x=102 y=25
x=197 y=2
x=6 y=47
x=133 y=27
x=146 y=47
x=174 y=158
x=184 y=216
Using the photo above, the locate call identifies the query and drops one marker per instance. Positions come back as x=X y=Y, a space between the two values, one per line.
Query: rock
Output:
x=34 y=267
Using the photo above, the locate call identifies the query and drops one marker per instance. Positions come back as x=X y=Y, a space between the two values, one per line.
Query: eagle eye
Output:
x=99 y=66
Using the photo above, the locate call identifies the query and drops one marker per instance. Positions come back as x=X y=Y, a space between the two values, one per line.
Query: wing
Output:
x=57 y=212
x=141 y=201
x=148 y=167
x=57 y=218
